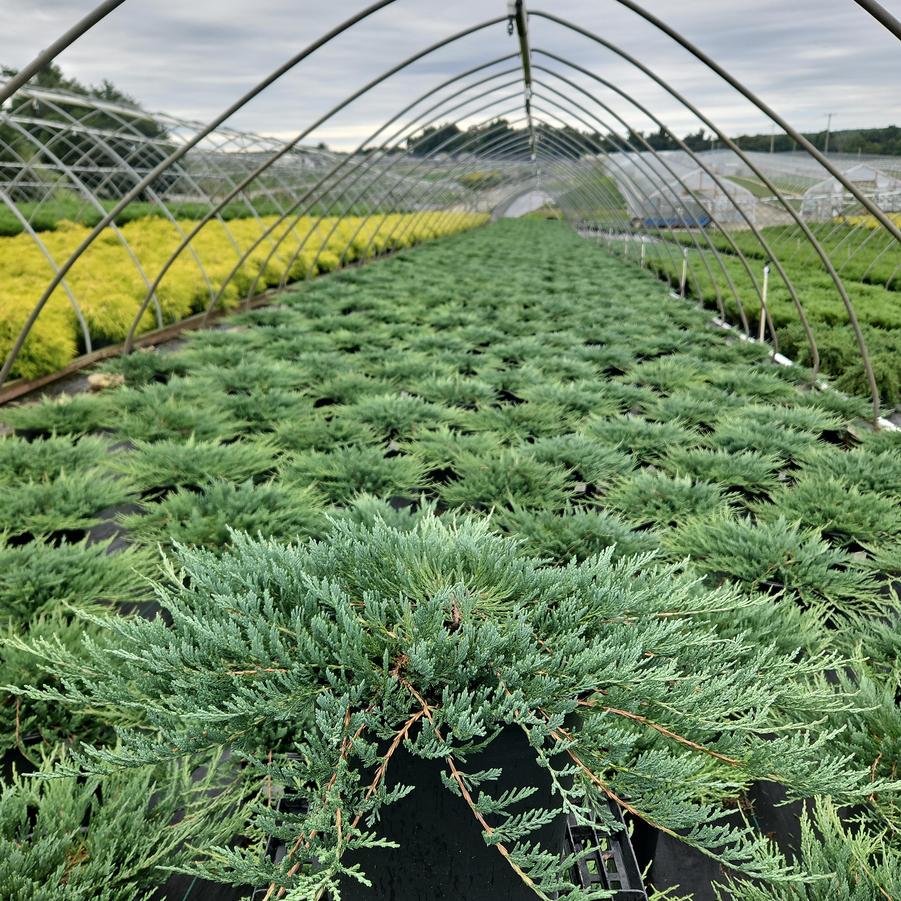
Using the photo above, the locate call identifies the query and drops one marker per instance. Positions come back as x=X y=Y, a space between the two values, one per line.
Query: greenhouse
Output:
x=828 y=198
x=447 y=453
x=689 y=196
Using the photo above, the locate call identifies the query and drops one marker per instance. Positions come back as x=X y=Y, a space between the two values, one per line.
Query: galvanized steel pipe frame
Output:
x=798 y=138
x=50 y=53
x=882 y=15
x=141 y=313
x=387 y=148
x=290 y=145
x=636 y=8
x=165 y=164
x=657 y=79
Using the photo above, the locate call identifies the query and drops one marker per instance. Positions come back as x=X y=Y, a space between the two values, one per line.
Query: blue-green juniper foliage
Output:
x=439 y=636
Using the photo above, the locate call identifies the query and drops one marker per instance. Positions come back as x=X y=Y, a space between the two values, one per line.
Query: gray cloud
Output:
x=193 y=58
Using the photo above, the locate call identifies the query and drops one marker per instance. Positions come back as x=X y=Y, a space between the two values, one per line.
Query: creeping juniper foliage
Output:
x=108 y=839
x=439 y=636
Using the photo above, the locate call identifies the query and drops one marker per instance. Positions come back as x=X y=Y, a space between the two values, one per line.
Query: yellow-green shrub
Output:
x=109 y=285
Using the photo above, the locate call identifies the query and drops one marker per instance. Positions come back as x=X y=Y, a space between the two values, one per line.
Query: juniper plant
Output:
x=863 y=468
x=700 y=407
x=648 y=441
x=263 y=411
x=37 y=577
x=437 y=638
x=204 y=518
x=75 y=415
x=668 y=374
x=156 y=412
x=837 y=509
x=29 y=724
x=146 y=365
x=841 y=405
x=153 y=466
x=112 y=839
x=883 y=440
x=844 y=863
x=441 y=448
x=343 y=473
x=775 y=555
x=255 y=374
x=650 y=497
x=69 y=502
x=318 y=431
x=759 y=383
x=520 y=421
x=454 y=390
x=48 y=457
x=574 y=533
x=581 y=397
x=749 y=471
x=40 y=587
x=737 y=432
x=588 y=461
x=509 y=477
x=394 y=416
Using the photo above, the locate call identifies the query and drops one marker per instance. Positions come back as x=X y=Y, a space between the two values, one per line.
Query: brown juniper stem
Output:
x=300 y=838
x=464 y=791
x=638 y=718
x=383 y=766
x=379 y=775
x=257 y=671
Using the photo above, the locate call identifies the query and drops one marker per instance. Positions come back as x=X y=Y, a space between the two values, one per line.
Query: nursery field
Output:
x=521 y=485
x=872 y=275
x=109 y=283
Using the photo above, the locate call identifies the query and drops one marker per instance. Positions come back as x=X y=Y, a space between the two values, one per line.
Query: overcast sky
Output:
x=191 y=58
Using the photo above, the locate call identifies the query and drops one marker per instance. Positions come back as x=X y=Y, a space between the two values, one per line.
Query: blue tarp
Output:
x=676 y=222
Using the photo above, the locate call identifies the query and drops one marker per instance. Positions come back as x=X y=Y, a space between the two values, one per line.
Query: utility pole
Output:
x=828 y=129
x=772 y=135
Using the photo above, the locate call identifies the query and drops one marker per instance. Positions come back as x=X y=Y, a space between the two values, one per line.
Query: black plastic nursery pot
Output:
x=671 y=865
x=442 y=853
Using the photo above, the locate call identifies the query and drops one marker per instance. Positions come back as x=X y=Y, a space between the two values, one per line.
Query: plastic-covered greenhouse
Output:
x=505 y=504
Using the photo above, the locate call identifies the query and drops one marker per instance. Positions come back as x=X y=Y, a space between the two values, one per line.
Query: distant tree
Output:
x=697 y=141
x=492 y=138
x=431 y=138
